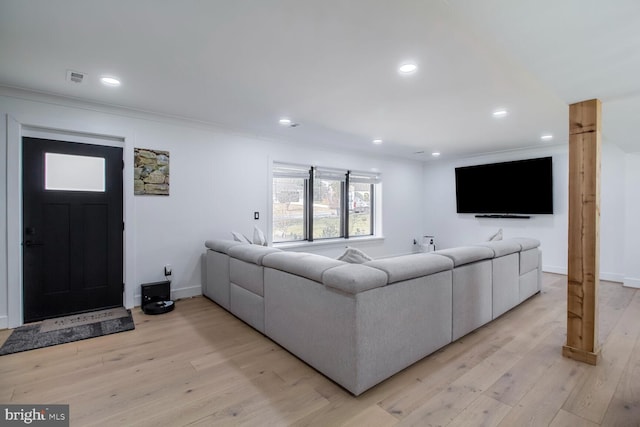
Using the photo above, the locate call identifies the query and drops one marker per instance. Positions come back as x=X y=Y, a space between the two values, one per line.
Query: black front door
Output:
x=72 y=228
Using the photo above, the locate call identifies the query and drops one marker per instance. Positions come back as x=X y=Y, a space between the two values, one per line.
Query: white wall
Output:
x=453 y=229
x=632 y=221
x=612 y=213
x=218 y=179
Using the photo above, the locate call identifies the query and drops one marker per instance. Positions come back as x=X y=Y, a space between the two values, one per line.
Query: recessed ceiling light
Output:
x=408 y=68
x=110 y=81
x=285 y=122
x=435 y=154
x=377 y=141
x=500 y=113
x=547 y=137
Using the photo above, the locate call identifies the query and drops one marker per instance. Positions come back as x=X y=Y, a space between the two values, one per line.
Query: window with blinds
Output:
x=312 y=203
x=289 y=204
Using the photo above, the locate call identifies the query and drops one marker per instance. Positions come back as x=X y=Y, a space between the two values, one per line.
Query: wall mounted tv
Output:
x=518 y=187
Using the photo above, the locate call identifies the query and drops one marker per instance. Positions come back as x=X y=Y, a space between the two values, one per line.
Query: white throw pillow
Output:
x=354 y=256
x=239 y=237
x=497 y=236
x=258 y=237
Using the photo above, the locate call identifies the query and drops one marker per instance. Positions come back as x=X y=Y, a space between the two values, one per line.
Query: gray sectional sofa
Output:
x=359 y=324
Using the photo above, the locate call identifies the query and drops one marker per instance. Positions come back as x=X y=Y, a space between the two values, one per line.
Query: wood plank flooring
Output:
x=199 y=365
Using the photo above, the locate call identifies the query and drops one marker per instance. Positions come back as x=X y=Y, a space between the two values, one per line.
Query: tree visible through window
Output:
x=360 y=198
x=288 y=209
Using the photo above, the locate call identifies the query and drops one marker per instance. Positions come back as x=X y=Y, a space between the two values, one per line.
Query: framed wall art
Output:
x=151 y=172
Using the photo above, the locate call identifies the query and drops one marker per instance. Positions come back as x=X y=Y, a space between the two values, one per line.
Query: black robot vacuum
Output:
x=156 y=298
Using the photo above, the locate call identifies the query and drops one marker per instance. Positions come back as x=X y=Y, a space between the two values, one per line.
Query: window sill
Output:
x=329 y=242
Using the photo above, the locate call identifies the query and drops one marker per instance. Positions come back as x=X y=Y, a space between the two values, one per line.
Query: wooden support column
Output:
x=583 y=274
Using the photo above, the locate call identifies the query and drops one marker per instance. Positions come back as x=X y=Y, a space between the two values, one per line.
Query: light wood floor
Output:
x=201 y=366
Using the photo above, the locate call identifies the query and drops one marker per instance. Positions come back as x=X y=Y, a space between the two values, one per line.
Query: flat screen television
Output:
x=518 y=187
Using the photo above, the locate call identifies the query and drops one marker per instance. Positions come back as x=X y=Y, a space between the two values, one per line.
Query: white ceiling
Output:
x=331 y=66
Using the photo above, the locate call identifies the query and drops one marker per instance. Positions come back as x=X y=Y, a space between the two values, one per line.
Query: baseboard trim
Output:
x=189 y=292
x=631 y=282
x=4 y=322
x=176 y=294
x=554 y=269
x=612 y=277
x=609 y=277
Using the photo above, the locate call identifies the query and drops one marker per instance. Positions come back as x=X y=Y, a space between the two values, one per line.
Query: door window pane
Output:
x=74 y=173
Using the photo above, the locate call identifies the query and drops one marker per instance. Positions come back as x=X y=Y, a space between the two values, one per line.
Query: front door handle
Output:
x=29 y=243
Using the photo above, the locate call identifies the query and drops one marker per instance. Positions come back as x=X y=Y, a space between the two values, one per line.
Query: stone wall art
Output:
x=151 y=172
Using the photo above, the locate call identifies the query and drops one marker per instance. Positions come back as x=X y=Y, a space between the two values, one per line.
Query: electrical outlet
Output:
x=167 y=270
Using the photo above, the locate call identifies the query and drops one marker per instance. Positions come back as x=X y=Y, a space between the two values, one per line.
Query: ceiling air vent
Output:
x=75 y=76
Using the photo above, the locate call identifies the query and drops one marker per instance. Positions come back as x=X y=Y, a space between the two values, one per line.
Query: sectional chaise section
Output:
x=359 y=324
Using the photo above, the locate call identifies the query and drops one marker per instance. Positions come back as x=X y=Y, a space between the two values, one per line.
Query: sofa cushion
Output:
x=505 y=276
x=466 y=254
x=247 y=275
x=502 y=247
x=302 y=264
x=354 y=278
x=354 y=256
x=529 y=260
x=223 y=246
x=528 y=284
x=239 y=237
x=251 y=253
x=247 y=306
x=411 y=266
x=216 y=286
x=496 y=236
x=259 y=237
x=472 y=297
x=527 y=242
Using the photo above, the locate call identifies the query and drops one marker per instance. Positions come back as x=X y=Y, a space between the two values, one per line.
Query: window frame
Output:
x=372 y=217
x=346 y=177
x=291 y=171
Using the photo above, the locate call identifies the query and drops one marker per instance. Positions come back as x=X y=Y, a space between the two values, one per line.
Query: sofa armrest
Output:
x=354 y=278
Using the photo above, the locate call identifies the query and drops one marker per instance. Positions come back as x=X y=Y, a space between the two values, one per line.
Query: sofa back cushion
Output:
x=502 y=247
x=407 y=267
x=220 y=245
x=527 y=242
x=302 y=264
x=251 y=253
x=466 y=254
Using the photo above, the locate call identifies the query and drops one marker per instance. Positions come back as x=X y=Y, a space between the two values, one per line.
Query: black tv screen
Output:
x=519 y=187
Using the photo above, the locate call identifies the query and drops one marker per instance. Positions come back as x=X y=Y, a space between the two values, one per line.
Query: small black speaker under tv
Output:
x=156 y=297
x=518 y=187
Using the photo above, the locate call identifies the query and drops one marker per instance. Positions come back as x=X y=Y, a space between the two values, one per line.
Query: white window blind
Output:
x=284 y=170
x=364 y=177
